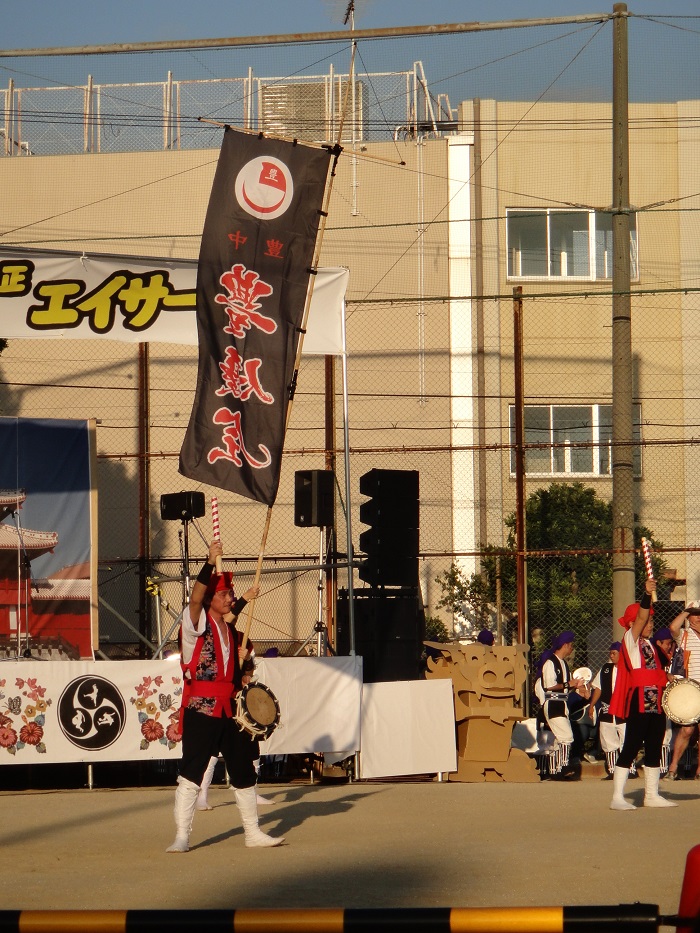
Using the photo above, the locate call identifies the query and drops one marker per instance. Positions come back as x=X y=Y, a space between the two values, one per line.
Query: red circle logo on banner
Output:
x=264 y=187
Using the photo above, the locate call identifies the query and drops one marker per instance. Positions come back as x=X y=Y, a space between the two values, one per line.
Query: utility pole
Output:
x=622 y=375
x=520 y=524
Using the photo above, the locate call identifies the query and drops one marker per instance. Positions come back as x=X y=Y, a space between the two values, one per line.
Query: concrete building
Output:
x=437 y=227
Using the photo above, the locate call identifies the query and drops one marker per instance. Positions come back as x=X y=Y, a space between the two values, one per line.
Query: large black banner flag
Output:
x=252 y=280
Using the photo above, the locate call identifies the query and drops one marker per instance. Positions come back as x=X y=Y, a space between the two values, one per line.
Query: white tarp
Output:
x=408 y=727
x=126 y=710
x=134 y=300
x=319 y=703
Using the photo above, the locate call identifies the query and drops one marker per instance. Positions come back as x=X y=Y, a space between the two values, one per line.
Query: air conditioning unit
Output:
x=303 y=111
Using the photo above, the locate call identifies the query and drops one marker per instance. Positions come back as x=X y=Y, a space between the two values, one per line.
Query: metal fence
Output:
x=184 y=113
x=422 y=396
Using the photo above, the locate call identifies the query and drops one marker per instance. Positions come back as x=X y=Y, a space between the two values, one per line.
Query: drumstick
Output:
x=646 y=552
x=216 y=530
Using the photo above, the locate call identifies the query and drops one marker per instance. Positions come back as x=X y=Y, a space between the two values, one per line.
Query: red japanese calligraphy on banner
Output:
x=252 y=283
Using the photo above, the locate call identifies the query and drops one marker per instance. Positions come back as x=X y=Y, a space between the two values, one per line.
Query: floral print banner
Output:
x=128 y=710
x=89 y=711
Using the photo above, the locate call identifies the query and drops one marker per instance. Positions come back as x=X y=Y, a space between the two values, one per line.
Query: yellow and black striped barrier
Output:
x=626 y=918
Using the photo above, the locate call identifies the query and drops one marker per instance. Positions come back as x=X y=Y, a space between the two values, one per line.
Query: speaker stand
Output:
x=320 y=632
x=185 y=552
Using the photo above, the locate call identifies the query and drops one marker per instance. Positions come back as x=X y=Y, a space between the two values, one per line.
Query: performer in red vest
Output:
x=214 y=661
x=641 y=679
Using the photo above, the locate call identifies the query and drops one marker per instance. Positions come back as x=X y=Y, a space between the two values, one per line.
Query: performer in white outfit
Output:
x=685 y=628
x=611 y=729
x=557 y=682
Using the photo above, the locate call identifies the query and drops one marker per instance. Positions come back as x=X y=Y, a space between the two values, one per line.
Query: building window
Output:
x=561 y=429
x=563 y=244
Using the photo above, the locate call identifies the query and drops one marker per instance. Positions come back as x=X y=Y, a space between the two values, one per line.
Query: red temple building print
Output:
x=50 y=617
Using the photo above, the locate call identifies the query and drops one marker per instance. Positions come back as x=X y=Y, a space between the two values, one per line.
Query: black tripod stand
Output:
x=183 y=507
x=320 y=632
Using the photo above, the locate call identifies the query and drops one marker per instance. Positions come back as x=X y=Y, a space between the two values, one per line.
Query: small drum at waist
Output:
x=681 y=701
x=257 y=711
x=583 y=673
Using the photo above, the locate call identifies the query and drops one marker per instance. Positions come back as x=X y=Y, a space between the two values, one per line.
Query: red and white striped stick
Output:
x=215 y=528
x=646 y=553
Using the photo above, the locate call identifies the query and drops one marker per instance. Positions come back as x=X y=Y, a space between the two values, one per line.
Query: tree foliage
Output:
x=573 y=590
x=436 y=630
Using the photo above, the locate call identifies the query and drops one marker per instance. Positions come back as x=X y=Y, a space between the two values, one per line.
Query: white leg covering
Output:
x=652 y=798
x=254 y=836
x=261 y=801
x=185 y=802
x=555 y=763
x=202 y=802
x=611 y=760
x=618 y=802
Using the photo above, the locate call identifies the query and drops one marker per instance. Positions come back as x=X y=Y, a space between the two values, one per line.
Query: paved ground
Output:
x=350 y=845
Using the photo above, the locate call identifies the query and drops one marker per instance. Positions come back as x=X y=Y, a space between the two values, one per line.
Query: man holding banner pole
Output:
x=214 y=662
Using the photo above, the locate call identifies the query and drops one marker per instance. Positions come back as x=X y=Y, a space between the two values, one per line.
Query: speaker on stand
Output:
x=314 y=507
x=183 y=507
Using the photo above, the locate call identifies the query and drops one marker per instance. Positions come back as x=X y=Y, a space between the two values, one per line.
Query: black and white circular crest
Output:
x=91 y=712
x=264 y=187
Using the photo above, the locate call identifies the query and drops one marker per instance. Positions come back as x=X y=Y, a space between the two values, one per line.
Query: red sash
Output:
x=629 y=678
x=222 y=689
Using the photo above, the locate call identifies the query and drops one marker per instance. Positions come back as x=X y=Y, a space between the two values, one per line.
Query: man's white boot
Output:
x=254 y=836
x=652 y=798
x=185 y=802
x=262 y=801
x=618 y=802
x=202 y=801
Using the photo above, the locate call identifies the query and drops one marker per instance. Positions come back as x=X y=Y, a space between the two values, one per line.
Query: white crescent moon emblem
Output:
x=264 y=187
x=258 y=207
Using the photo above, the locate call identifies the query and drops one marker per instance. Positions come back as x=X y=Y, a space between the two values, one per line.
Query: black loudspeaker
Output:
x=391 y=541
x=389 y=633
x=314 y=498
x=181 y=506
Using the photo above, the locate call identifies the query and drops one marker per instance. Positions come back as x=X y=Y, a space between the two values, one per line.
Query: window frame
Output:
x=547 y=214
x=556 y=451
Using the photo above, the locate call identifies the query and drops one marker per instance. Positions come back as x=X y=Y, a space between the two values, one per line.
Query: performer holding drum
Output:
x=214 y=660
x=641 y=679
x=685 y=708
x=611 y=729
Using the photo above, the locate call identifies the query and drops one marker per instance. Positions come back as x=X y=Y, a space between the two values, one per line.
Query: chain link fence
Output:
x=490 y=167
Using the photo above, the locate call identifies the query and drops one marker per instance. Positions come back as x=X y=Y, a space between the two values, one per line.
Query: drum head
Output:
x=261 y=705
x=583 y=673
x=681 y=702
